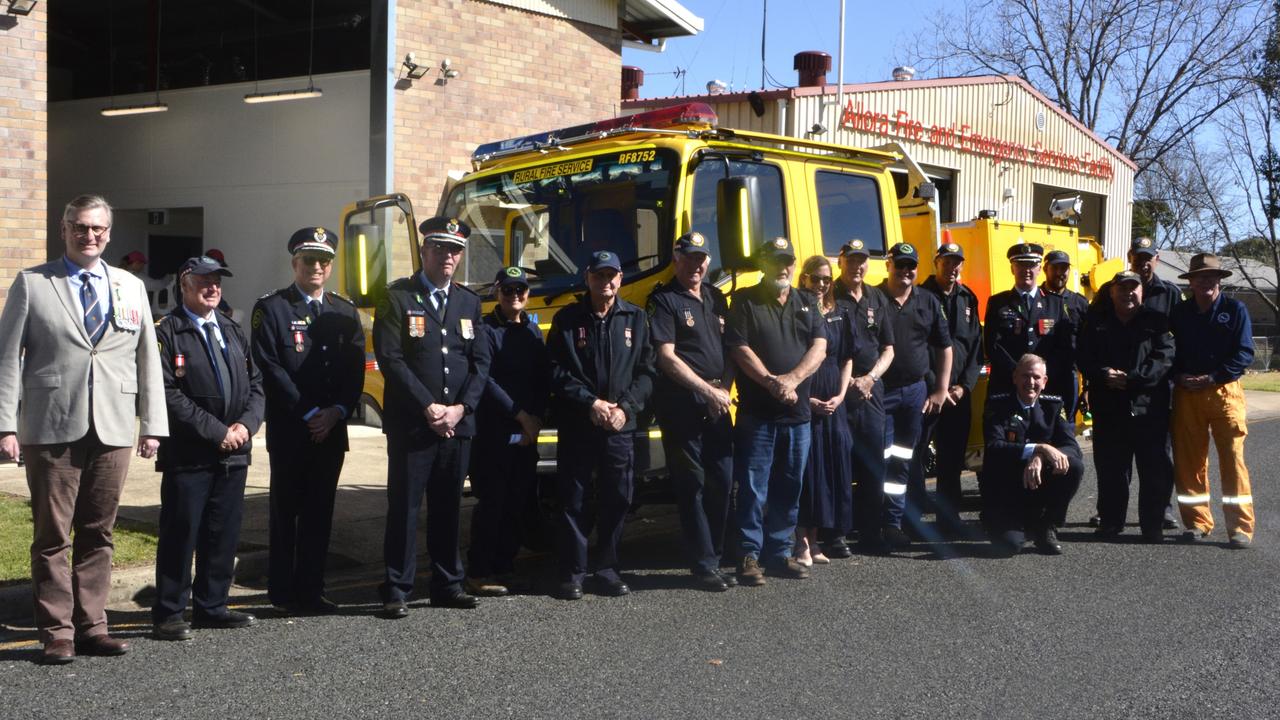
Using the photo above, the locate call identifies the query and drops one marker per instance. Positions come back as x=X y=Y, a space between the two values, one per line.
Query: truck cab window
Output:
x=708 y=173
x=849 y=207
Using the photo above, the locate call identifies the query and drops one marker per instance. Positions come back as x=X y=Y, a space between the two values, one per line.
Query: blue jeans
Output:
x=904 y=495
x=768 y=465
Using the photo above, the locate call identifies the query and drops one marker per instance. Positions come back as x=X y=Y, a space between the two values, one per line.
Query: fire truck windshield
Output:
x=550 y=218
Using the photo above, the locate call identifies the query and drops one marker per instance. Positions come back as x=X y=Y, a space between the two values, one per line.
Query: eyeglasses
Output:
x=515 y=289
x=82 y=229
x=320 y=260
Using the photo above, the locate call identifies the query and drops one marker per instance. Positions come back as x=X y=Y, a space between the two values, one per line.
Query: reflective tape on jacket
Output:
x=1193 y=499
x=897 y=451
x=891 y=488
x=1237 y=499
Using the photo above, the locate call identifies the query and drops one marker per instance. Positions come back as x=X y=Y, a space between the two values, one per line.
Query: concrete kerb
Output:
x=251 y=564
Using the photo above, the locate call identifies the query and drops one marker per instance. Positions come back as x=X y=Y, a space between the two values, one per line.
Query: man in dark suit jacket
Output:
x=1032 y=466
x=1026 y=320
x=214 y=394
x=310 y=346
x=428 y=338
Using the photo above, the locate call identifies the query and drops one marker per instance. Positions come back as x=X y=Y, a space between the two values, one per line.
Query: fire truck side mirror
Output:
x=364 y=264
x=739 y=226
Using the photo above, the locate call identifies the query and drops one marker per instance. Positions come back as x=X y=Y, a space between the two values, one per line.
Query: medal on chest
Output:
x=968 y=314
x=688 y=317
x=1045 y=325
x=466 y=330
x=871 y=318
x=417 y=324
x=582 y=338
x=1018 y=326
x=297 y=341
x=179 y=365
x=627 y=334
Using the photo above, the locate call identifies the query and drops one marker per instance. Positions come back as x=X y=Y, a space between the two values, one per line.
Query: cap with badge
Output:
x=1143 y=246
x=202 y=265
x=444 y=230
x=1026 y=252
x=134 y=257
x=691 y=242
x=1057 y=257
x=778 y=247
x=1127 y=276
x=313 y=239
x=511 y=276
x=903 y=252
x=854 y=247
x=604 y=260
x=949 y=249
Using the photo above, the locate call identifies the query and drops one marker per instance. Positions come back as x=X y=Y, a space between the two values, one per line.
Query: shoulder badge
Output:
x=339 y=296
x=258 y=315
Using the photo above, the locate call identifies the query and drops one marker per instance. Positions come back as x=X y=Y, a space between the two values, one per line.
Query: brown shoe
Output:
x=791 y=569
x=101 y=645
x=485 y=586
x=750 y=573
x=58 y=652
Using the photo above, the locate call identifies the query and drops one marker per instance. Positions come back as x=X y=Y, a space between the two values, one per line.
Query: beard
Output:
x=780 y=284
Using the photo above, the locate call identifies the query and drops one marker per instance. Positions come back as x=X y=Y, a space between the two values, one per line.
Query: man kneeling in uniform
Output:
x=1032 y=465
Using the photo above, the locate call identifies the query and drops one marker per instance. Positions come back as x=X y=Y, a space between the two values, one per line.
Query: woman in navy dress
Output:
x=826 y=503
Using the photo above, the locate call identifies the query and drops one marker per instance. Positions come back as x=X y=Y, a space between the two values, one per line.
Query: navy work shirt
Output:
x=1218 y=343
x=780 y=335
x=917 y=323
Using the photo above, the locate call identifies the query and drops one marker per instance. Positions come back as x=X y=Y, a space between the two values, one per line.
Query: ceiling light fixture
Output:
x=310 y=91
x=21 y=7
x=112 y=110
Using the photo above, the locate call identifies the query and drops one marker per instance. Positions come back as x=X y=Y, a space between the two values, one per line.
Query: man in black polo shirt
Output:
x=691 y=401
x=949 y=429
x=776 y=337
x=865 y=400
x=918 y=321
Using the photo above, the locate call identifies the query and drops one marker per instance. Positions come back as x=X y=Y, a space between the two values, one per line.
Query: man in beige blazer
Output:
x=78 y=362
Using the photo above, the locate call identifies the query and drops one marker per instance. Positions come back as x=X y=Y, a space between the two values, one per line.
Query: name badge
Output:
x=296 y=325
x=464 y=327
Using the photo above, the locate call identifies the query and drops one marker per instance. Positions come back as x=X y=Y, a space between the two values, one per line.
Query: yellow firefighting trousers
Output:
x=1221 y=410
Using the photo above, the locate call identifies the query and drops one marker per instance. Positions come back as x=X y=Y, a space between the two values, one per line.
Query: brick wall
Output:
x=23 y=144
x=521 y=72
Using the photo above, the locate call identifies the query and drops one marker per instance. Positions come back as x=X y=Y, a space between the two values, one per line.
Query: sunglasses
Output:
x=820 y=279
x=320 y=260
x=513 y=290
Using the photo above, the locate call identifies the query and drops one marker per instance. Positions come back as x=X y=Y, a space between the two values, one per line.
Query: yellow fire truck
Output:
x=632 y=184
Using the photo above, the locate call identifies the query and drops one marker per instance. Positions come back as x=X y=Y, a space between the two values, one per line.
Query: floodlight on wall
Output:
x=412 y=69
x=310 y=91
x=21 y=7
x=142 y=109
x=447 y=72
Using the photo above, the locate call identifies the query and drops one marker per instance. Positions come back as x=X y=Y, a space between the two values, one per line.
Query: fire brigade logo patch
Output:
x=952 y=247
x=452 y=226
x=780 y=243
x=513 y=272
x=605 y=256
x=857 y=244
x=257 y=318
x=1224 y=318
x=319 y=235
x=696 y=239
x=1144 y=242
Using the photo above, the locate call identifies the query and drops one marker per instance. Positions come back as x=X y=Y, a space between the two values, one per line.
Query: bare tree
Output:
x=1144 y=74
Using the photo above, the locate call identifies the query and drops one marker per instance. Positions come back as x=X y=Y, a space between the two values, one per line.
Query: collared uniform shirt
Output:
x=965 y=325
x=870 y=317
x=780 y=335
x=1218 y=343
x=918 y=324
x=694 y=325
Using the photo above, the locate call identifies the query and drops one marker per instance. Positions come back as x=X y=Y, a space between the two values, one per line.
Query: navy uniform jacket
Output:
x=1143 y=348
x=427 y=359
x=327 y=370
x=1007 y=432
x=1218 y=343
x=519 y=375
x=198 y=421
x=574 y=345
x=967 y=357
x=1077 y=308
x=1011 y=333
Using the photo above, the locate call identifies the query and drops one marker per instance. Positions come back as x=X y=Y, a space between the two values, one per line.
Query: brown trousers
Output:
x=74 y=486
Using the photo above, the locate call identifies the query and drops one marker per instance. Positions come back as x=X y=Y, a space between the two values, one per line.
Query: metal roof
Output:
x=646 y=20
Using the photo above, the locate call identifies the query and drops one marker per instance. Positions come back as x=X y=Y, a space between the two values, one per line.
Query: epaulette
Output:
x=399 y=283
x=998 y=396
x=272 y=293
x=340 y=296
x=1052 y=398
x=464 y=287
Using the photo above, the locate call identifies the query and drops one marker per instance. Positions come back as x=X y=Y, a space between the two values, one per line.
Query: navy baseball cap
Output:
x=313 y=239
x=1127 y=276
x=446 y=230
x=202 y=265
x=1143 y=246
x=1027 y=252
x=854 y=247
x=510 y=276
x=949 y=249
x=904 y=251
x=1056 y=257
x=604 y=260
x=777 y=247
x=692 y=242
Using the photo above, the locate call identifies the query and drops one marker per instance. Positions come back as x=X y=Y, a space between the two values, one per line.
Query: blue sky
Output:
x=877 y=38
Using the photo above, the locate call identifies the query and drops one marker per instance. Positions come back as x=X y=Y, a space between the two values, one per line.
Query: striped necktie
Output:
x=95 y=321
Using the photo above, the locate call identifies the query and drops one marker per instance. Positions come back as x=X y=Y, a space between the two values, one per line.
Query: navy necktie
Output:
x=219 y=361
x=95 y=321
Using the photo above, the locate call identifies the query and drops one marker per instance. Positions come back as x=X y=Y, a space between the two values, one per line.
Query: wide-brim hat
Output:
x=1206 y=264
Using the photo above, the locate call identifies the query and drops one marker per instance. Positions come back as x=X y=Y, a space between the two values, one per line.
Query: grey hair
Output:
x=86 y=202
x=1030 y=360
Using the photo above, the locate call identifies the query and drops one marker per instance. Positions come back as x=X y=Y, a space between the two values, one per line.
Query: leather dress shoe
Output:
x=173 y=629
x=729 y=578
x=101 y=645
x=838 y=550
x=318 y=606
x=789 y=568
x=1170 y=522
x=1192 y=535
x=1109 y=532
x=896 y=537
x=394 y=610
x=58 y=652
x=1047 y=542
x=569 y=590
x=485 y=586
x=458 y=600
x=711 y=582
x=611 y=586
x=229 y=620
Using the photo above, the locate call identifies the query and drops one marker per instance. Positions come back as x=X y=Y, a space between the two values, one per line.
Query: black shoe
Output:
x=394 y=610
x=729 y=578
x=319 y=606
x=1239 y=541
x=1170 y=522
x=874 y=546
x=569 y=590
x=610 y=586
x=1008 y=544
x=837 y=550
x=1047 y=542
x=229 y=620
x=711 y=582
x=789 y=568
x=1152 y=537
x=1108 y=532
x=896 y=538
x=1191 y=536
x=1095 y=520
x=458 y=600
x=172 y=629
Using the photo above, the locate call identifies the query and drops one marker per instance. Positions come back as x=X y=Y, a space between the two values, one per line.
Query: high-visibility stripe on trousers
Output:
x=1219 y=410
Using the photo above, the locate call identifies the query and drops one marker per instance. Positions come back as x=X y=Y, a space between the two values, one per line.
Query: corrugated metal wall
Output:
x=996 y=111
x=596 y=12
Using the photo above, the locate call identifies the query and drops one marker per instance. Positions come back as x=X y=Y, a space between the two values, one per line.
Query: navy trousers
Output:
x=304 y=484
x=1119 y=440
x=503 y=478
x=866 y=424
x=200 y=512
x=592 y=465
x=435 y=469
x=904 y=494
x=699 y=456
